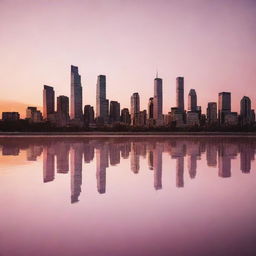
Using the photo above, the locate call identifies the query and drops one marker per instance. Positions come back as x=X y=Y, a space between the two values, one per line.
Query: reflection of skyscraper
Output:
x=224 y=162
x=180 y=172
x=48 y=164
x=10 y=150
x=150 y=160
x=211 y=155
x=88 y=152
x=76 y=94
x=158 y=100
x=245 y=158
x=114 y=154
x=135 y=157
x=48 y=101
x=62 y=155
x=180 y=93
x=157 y=165
x=76 y=156
x=192 y=165
x=102 y=164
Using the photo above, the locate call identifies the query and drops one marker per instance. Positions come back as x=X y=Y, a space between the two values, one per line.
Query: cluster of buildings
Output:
x=109 y=113
x=63 y=157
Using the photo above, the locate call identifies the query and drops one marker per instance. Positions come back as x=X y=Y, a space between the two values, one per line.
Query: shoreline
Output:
x=126 y=134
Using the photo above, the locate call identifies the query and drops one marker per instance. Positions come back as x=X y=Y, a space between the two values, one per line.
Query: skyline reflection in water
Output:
x=156 y=164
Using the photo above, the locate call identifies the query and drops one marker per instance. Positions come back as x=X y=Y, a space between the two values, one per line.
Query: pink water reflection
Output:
x=130 y=196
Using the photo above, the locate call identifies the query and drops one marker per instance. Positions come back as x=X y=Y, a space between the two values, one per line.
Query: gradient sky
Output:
x=211 y=43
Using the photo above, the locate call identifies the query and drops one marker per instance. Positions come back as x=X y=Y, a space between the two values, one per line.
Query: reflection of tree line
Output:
x=218 y=153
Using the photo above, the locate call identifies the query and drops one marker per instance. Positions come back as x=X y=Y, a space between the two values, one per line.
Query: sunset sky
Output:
x=211 y=43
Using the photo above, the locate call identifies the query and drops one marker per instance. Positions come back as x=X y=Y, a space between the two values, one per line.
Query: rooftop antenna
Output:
x=156 y=72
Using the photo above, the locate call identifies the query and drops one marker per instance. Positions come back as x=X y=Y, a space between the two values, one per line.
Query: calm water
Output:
x=128 y=196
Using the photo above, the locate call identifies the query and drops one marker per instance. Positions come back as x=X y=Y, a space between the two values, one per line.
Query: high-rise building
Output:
x=114 y=114
x=151 y=108
x=63 y=105
x=180 y=93
x=125 y=116
x=88 y=114
x=246 y=113
x=102 y=104
x=192 y=101
x=48 y=101
x=135 y=108
x=212 y=113
x=76 y=94
x=158 y=100
x=224 y=106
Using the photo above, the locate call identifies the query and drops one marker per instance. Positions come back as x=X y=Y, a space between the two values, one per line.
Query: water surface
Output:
x=127 y=196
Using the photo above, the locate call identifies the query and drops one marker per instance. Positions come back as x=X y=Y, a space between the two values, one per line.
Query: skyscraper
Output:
x=212 y=113
x=158 y=100
x=76 y=94
x=192 y=101
x=246 y=114
x=224 y=106
x=114 y=111
x=180 y=93
x=63 y=105
x=102 y=108
x=48 y=101
x=135 y=108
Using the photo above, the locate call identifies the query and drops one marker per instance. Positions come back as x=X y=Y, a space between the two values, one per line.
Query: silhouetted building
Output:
x=30 y=111
x=63 y=105
x=192 y=101
x=114 y=112
x=212 y=113
x=231 y=119
x=135 y=108
x=102 y=104
x=246 y=113
x=76 y=101
x=192 y=118
x=88 y=115
x=151 y=108
x=177 y=117
x=125 y=116
x=180 y=94
x=48 y=101
x=158 y=101
x=10 y=116
x=224 y=106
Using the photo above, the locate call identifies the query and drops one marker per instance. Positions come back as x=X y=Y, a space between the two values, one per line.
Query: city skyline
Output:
x=210 y=43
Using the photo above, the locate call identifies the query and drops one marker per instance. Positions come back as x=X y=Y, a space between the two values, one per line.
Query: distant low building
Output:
x=34 y=115
x=88 y=115
x=125 y=116
x=177 y=117
x=10 y=116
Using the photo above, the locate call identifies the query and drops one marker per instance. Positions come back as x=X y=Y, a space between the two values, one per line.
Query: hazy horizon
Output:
x=210 y=43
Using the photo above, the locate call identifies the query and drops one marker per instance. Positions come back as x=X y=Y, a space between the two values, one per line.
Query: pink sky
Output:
x=211 y=43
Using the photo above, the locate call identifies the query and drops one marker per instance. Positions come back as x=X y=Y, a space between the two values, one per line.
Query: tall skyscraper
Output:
x=63 y=105
x=192 y=101
x=158 y=100
x=224 y=106
x=135 y=108
x=114 y=111
x=102 y=104
x=48 y=101
x=151 y=108
x=76 y=94
x=212 y=113
x=180 y=93
x=246 y=114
